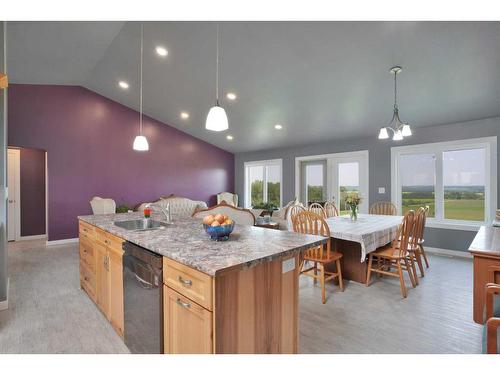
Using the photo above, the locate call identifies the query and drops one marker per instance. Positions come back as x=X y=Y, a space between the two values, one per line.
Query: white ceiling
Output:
x=320 y=80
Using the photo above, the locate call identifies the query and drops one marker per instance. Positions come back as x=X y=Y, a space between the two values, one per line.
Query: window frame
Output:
x=264 y=164
x=489 y=144
x=332 y=160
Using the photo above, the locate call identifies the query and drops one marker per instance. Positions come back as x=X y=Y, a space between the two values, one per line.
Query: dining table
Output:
x=355 y=239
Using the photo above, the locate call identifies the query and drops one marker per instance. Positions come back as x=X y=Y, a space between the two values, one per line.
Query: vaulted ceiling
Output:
x=320 y=80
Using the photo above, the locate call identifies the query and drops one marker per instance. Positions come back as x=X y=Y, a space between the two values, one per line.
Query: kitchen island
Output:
x=237 y=296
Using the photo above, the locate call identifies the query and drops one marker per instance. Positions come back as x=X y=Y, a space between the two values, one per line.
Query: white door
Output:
x=349 y=174
x=13 y=184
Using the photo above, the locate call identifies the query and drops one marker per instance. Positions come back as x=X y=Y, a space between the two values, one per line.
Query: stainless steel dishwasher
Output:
x=143 y=299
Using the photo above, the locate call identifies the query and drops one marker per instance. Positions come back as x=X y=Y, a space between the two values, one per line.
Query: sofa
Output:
x=239 y=215
x=180 y=207
x=280 y=216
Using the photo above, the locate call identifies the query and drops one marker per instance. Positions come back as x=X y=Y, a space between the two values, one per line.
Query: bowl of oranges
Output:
x=218 y=227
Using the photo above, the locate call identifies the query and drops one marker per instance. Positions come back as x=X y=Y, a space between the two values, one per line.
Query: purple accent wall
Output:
x=88 y=139
x=32 y=171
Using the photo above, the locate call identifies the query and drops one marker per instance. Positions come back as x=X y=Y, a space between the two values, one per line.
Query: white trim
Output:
x=32 y=238
x=62 y=242
x=437 y=148
x=264 y=164
x=453 y=253
x=16 y=154
x=4 y=305
x=331 y=159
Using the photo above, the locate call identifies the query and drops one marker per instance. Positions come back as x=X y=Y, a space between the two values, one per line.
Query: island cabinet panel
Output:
x=191 y=283
x=256 y=309
x=102 y=277
x=116 y=312
x=101 y=272
x=187 y=326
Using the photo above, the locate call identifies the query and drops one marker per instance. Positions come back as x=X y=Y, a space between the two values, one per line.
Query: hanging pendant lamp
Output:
x=217 y=118
x=399 y=128
x=140 y=141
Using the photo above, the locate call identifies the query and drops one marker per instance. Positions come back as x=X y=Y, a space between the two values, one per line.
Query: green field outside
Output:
x=457 y=209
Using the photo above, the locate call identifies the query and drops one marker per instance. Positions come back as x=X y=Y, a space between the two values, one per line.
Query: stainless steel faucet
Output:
x=164 y=210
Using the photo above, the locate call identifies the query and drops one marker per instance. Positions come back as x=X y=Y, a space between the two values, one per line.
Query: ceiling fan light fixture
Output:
x=406 y=130
x=383 y=134
x=398 y=136
x=217 y=119
x=140 y=143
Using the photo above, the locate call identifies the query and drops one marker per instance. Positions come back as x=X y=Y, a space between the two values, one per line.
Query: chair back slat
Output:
x=308 y=222
x=331 y=210
x=317 y=209
x=383 y=208
x=405 y=232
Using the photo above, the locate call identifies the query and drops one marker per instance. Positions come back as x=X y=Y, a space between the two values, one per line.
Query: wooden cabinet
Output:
x=101 y=272
x=187 y=325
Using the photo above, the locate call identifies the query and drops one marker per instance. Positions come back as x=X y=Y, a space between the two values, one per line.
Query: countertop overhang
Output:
x=185 y=241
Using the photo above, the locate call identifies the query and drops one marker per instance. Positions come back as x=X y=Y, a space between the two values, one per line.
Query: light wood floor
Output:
x=50 y=314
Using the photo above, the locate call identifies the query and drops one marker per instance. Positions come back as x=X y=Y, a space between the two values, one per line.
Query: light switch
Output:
x=381 y=190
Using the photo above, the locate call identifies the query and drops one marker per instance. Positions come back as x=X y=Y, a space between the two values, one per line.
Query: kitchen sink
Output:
x=140 y=224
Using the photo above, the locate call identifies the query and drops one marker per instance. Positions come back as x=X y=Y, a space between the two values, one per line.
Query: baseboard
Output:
x=31 y=238
x=452 y=253
x=4 y=305
x=62 y=242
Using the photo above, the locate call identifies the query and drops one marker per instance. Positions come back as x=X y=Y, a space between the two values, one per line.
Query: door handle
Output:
x=185 y=282
x=143 y=283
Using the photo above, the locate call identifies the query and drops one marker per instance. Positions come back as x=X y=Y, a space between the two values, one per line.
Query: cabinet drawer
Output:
x=187 y=326
x=86 y=230
x=191 y=283
x=114 y=243
x=87 y=280
x=87 y=254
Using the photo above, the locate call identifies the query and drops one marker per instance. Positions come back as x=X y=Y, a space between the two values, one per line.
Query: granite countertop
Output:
x=186 y=242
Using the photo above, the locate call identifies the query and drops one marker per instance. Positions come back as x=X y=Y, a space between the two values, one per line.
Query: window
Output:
x=457 y=180
x=321 y=178
x=348 y=183
x=263 y=183
x=314 y=182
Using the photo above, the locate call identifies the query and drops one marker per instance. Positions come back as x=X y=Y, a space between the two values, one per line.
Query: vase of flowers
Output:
x=353 y=200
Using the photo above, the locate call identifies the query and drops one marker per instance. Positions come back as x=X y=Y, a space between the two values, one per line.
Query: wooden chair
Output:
x=422 y=240
x=415 y=246
x=396 y=254
x=492 y=324
x=383 y=208
x=331 y=210
x=317 y=209
x=308 y=222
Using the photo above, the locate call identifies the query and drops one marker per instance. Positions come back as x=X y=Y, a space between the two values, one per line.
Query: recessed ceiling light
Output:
x=278 y=127
x=229 y=137
x=162 y=51
x=231 y=96
x=123 y=85
x=184 y=115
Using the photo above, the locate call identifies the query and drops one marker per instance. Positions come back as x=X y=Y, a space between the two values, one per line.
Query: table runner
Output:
x=371 y=231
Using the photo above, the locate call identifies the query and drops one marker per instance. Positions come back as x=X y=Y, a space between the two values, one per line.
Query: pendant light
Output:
x=399 y=128
x=140 y=141
x=217 y=118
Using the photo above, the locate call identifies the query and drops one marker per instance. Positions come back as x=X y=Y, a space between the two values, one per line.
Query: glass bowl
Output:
x=219 y=233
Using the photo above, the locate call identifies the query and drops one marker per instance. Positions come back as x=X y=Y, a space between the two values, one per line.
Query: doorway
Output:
x=27 y=194
x=319 y=178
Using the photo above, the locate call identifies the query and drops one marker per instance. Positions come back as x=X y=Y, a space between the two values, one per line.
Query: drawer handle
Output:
x=183 y=304
x=84 y=250
x=84 y=229
x=185 y=282
x=86 y=278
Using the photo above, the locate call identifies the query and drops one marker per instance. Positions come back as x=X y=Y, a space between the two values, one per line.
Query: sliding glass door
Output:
x=333 y=177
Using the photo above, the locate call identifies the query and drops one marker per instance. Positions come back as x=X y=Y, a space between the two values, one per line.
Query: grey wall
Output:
x=3 y=157
x=380 y=165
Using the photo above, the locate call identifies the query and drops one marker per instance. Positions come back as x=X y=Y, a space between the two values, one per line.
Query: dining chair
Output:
x=331 y=210
x=291 y=212
x=383 y=208
x=317 y=209
x=415 y=245
x=396 y=254
x=308 y=222
x=422 y=240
